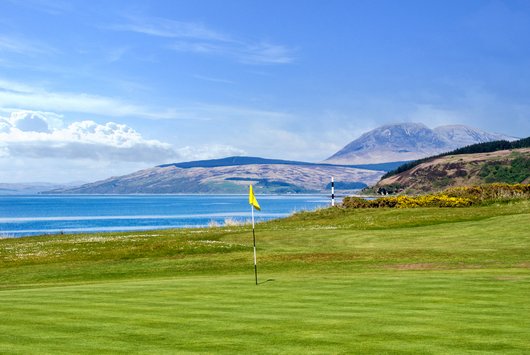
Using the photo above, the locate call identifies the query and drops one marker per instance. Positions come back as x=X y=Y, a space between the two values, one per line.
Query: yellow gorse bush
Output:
x=452 y=197
x=432 y=201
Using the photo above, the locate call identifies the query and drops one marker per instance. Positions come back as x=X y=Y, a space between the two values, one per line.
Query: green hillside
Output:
x=422 y=280
x=502 y=166
x=486 y=147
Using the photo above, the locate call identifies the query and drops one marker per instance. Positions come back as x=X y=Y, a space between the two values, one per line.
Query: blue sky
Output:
x=90 y=89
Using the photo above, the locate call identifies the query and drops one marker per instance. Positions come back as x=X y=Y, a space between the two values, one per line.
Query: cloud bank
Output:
x=40 y=135
x=31 y=134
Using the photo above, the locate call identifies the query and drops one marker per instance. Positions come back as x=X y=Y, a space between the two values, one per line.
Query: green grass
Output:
x=425 y=280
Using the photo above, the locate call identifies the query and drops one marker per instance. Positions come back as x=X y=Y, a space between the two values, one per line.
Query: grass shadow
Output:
x=264 y=282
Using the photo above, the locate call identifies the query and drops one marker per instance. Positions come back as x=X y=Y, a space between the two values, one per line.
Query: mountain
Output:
x=409 y=141
x=232 y=175
x=510 y=166
x=458 y=136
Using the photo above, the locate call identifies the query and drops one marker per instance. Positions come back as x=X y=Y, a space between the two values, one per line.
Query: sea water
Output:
x=54 y=214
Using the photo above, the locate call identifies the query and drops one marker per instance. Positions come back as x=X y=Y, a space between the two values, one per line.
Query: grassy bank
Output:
x=335 y=281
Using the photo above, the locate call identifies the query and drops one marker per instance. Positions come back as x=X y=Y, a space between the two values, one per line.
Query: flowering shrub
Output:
x=407 y=202
x=452 y=197
x=498 y=191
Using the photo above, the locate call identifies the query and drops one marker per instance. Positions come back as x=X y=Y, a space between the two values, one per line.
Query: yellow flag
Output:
x=252 y=199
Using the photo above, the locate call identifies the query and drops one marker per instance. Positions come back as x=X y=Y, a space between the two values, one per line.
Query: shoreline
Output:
x=36 y=215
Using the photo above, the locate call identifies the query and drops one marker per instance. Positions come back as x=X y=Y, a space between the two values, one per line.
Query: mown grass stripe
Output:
x=421 y=281
x=339 y=313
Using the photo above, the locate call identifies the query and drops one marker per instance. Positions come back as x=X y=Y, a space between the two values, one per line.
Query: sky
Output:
x=93 y=89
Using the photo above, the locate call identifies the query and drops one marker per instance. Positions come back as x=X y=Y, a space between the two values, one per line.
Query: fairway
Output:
x=425 y=280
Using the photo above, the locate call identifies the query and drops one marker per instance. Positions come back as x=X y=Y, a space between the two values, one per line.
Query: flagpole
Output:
x=332 y=192
x=254 y=238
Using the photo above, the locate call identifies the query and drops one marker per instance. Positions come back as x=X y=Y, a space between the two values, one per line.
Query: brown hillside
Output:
x=453 y=170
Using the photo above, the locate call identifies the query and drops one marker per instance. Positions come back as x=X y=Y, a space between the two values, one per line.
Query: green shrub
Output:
x=517 y=171
x=452 y=197
x=355 y=202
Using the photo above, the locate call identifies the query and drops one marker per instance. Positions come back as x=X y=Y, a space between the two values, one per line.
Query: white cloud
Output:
x=35 y=134
x=35 y=146
x=5 y=126
x=263 y=53
x=161 y=27
x=14 y=94
x=195 y=37
x=31 y=121
x=246 y=53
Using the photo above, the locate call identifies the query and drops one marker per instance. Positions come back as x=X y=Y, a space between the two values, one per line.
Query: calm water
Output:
x=35 y=214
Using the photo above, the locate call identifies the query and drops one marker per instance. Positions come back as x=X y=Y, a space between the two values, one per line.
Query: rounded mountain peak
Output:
x=391 y=142
x=407 y=140
x=397 y=131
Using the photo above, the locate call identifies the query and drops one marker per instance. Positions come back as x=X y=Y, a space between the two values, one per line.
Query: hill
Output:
x=231 y=175
x=409 y=141
x=423 y=280
x=486 y=147
x=244 y=160
x=435 y=174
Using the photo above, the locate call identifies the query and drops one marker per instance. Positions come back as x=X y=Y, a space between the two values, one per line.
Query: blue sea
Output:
x=54 y=214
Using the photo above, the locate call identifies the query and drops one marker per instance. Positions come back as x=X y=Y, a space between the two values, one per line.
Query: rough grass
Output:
x=423 y=280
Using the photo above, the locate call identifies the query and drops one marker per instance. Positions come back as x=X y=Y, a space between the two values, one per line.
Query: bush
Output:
x=355 y=202
x=517 y=171
x=452 y=197
x=491 y=192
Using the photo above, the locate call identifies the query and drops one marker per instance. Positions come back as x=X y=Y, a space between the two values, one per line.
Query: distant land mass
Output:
x=233 y=175
x=489 y=162
x=244 y=160
x=31 y=188
x=409 y=141
x=362 y=162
